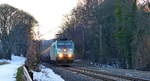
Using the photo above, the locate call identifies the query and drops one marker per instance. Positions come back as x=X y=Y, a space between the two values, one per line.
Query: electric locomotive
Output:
x=62 y=51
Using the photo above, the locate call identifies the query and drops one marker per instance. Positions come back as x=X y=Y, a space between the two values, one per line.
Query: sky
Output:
x=49 y=13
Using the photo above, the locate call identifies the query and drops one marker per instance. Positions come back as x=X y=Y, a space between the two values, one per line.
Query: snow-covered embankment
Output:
x=8 y=71
x=46 y=74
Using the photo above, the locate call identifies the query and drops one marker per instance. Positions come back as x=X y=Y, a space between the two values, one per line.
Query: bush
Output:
x=19 y=76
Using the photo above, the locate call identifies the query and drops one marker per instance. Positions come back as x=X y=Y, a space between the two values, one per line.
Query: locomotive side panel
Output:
x=52 y=50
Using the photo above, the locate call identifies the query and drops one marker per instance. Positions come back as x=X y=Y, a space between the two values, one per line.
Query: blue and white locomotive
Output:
x=62 y=51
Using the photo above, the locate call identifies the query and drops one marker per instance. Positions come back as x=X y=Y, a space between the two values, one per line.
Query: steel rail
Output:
x=113 y=75
x=90 y=74
x=96 y=74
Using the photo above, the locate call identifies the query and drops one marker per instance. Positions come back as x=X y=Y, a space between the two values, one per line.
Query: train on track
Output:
x=60 y=51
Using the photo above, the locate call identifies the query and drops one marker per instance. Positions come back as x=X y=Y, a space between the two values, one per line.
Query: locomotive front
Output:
x=65 y=51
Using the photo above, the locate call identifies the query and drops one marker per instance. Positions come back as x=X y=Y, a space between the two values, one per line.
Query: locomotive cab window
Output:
x=65 y=45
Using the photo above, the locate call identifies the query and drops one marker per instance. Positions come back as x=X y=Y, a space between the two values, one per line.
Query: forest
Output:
x=110 y=32
x=113 y=32
x=17 y=35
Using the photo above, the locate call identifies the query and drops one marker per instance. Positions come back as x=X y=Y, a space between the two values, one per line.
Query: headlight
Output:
x=69 y=55
x=60 y=55
x=64 y=49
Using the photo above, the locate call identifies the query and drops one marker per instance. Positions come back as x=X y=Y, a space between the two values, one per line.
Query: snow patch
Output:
x=8 y=71
x=4 y=60
x=46 y=74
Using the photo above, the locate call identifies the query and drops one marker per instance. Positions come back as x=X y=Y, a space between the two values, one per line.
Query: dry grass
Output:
x=2 y=63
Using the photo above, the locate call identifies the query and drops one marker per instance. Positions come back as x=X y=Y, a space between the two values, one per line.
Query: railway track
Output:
x=90 y=74
x=99 y=75
x=105 y=76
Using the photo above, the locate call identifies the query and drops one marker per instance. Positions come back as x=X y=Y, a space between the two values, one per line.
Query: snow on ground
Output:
x=8 y=71
x=46 y=74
